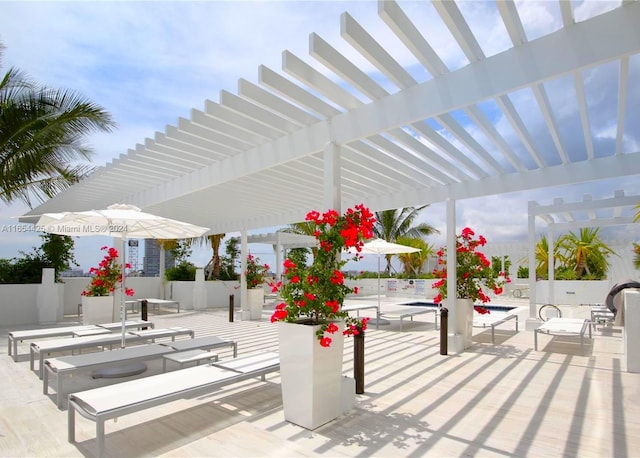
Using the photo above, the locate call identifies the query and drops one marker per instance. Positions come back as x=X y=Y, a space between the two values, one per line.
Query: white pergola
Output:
x=326 y=133
x=614 y=211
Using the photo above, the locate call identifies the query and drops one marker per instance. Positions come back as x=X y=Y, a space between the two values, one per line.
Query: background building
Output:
x=151 y=260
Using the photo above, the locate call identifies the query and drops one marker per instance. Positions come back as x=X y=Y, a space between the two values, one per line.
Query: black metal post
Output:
x=231 y=310
x=144 y=305
x=358 y=362
x=444 y=325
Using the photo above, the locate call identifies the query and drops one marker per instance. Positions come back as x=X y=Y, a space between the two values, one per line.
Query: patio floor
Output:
x=493 y=400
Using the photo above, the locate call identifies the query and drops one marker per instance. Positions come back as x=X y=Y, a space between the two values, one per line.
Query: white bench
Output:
x=68 y=365
x=45 y=347
x=104 y=403
x=186 y=357
x=30 y=334
x=490 y=320
x=563 y=327
x=409 y=312
x=157 y=303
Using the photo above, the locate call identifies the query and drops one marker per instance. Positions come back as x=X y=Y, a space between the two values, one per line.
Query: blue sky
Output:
x=148 y=63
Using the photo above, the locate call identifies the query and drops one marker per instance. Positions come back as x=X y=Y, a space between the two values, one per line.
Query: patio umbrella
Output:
x=382 y=247
x=121 y=221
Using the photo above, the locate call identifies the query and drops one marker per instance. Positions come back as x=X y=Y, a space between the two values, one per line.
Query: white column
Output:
x=246 y=313
x=455 y=339
x=631 y=329
x=552 y=265
x=533 y=321
x=332 y=191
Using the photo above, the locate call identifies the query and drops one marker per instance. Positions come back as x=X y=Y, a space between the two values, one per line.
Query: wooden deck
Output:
x=493 y=400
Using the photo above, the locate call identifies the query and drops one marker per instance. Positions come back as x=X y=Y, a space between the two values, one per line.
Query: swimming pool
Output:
x=493 y=308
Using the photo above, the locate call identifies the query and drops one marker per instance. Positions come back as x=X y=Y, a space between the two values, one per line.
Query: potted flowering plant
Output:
x=314 y=294
x=311 y=323
x=254 y=277
x=97 y=299
x=473 y=272
x=255 y=273
x=106 y=276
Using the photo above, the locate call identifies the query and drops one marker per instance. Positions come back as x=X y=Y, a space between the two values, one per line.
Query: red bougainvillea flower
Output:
x=473 y=271
x=321 y=286
x=332 y=328
x=107 y=276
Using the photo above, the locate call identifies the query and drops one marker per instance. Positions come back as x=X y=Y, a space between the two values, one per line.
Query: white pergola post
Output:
x=332 y=191
x=246 y=315
x=552 y=264
x=532 y=322
x=455 y=340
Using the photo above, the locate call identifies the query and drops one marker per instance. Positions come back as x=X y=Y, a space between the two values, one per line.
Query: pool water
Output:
x=493 y=308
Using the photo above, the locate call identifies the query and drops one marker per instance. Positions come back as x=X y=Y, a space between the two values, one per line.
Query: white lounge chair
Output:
x=409 y=312
x=563 y=327
x=42 y=348
x=30 y=334
x=101 y=404
x=66 y=365
x=492 y=320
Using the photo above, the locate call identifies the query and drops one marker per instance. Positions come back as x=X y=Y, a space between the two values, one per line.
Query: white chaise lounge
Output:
x=564 y=327
x=45 y=347
x=409 y=312
x=68 y=365
x=101 y=404
x=30 y=334
x=492 y=320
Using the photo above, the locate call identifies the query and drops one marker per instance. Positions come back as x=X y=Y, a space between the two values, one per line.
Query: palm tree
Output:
x=41 y=132
x=413 y=263
x=542 y=257
x=586 y=253
x=213 y=266
x=393 y=224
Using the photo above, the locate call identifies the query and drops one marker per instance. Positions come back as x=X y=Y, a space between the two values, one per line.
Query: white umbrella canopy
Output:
x=382 y=247
x=121 y=221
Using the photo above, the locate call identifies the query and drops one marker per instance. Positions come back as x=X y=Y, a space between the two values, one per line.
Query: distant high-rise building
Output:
x=151 y=260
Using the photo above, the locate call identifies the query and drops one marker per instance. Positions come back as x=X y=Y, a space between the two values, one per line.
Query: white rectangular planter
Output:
x=255 y=301
x=311 y=375
x=98 y=309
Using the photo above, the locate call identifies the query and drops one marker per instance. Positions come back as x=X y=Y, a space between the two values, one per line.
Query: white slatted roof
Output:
x=387 y=134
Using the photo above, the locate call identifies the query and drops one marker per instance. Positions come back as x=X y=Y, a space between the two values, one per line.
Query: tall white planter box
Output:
x=463 y=325
x=311 y=375
x=99 y=309
x=255 y=301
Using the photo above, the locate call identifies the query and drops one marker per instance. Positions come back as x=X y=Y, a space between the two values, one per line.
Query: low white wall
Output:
x=391 y=287
x=573 y=292
x=18 y=305
x=218 y=293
